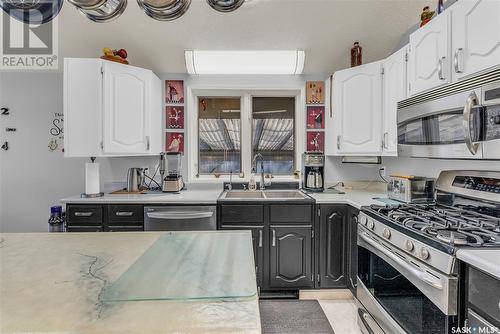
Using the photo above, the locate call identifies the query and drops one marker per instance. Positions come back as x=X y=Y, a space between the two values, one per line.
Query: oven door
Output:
x=450 y=127
x=402 y=294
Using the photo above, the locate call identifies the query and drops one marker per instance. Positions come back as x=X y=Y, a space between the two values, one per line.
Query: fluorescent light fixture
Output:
x=245 y=62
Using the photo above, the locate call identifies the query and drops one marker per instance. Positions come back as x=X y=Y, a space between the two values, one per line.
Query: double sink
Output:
x=264 y=195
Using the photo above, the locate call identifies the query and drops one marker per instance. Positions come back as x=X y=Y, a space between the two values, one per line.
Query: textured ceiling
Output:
x=325 y=29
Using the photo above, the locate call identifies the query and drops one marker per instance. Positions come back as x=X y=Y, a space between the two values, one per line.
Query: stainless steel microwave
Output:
x=460 y=121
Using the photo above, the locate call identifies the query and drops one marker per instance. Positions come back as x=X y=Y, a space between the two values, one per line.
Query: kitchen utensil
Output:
x=164 y=10
x=100 y=10
x=33 y=12
x=225 y=5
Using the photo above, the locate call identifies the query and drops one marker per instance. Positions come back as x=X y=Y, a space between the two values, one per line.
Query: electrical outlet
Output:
x=382 y=171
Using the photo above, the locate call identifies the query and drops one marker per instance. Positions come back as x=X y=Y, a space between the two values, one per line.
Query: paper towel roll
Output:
x=92 y=182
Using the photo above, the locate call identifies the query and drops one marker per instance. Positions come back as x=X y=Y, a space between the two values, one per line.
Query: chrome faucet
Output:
x=254 y=164
x=230 y=185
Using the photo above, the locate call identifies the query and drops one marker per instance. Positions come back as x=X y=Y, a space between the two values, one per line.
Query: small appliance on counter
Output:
x=313 y=171
x=135 y=179
x=173 y=180
x=411 y=189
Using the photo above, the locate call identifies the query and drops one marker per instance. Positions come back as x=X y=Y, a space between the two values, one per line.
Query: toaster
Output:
x=411 y=189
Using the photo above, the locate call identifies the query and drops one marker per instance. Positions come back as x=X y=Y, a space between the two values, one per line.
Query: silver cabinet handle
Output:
x=84 y=214
x=124 y=214
x=274 y=238
x=458 y=60
x=471 y=102
x=440 y=68
x=260 y=238
x=147 y=143
x=179 y=215
x=421 y=275
x=386 y=135
x=338 y=142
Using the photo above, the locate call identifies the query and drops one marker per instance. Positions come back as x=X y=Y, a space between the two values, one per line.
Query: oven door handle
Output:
x=179 y=215
x=424 y=277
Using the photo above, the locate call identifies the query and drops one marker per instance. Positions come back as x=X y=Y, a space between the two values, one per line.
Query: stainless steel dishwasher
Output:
x=180 y=218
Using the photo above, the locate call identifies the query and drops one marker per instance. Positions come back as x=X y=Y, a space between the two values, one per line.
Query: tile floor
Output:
x=342 y=315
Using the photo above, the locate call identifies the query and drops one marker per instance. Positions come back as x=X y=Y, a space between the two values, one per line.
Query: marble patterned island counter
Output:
x=58 y=282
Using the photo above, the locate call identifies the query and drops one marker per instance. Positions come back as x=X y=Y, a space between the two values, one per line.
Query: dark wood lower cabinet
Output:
x=291 y=256
x=333 y=252
x=352 y=248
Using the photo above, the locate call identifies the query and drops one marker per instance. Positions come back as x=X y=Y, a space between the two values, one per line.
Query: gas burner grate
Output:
x=453 y=225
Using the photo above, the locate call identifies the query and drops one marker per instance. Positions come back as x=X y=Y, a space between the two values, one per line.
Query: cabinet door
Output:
x=352 y=249
x=475 y=36
x=291 y=256
x=429 y=61
x=395 y=90
x=258 y=249
x=332 y=249
x=357 y=110
x=126 y=105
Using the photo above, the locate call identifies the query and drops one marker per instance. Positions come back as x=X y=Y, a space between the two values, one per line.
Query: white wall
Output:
x=337 y=171
x=31 y=178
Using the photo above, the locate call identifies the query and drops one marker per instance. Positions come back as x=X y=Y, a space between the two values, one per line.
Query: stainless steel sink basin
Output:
x=242 y=194
x=269 y=195
x=293 y=194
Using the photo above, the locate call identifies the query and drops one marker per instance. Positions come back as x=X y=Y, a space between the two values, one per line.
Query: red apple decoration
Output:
x=122 y=53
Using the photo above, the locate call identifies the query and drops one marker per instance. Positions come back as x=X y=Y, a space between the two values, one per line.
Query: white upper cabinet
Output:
x=357 y=111
x=395 y=90
x=126 y=106
x=429 y=61
x=475 y=36
x=111 y=109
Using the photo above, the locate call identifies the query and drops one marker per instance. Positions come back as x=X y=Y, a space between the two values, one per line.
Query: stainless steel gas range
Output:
x=408 y=276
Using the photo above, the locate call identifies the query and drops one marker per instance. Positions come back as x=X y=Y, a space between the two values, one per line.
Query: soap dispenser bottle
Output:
x=252 y=185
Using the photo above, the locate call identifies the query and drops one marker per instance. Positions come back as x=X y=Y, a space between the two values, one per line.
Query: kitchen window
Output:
x=231 y=127
x=273 y=125
x=219 y=136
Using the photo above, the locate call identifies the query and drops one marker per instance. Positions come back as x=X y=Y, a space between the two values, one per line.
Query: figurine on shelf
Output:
x=426 y=16
x=356 y=55
x=119 y=56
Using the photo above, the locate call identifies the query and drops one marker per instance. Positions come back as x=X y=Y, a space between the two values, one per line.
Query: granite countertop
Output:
x=356 y=198
x=485 y=259
x=194 y=196
x=51 y=282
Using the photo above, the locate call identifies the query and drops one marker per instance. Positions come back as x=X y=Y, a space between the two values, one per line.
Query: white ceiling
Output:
x=325 y=29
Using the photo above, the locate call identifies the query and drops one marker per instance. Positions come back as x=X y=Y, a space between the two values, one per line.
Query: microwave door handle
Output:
x=472 y=101
x=417 y=273
x=179 y=215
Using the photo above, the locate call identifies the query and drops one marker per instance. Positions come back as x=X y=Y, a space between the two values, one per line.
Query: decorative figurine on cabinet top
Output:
x=119 y=56
x=426 y=16
x=356 y=54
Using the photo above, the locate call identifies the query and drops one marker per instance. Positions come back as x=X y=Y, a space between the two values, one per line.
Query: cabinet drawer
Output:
x=125 y=213
x=248 y=214
x=291 y=213
x=85 y=215
x=96 y=228
x=125 y=228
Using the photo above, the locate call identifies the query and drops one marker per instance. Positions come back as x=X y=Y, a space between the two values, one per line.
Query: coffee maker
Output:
x=173 y=182
x=313 y=171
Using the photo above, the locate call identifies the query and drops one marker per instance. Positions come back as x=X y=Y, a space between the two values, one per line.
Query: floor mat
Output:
x=293 y=317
